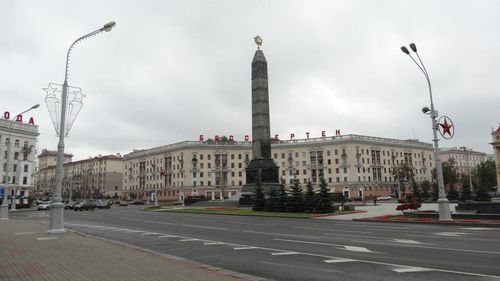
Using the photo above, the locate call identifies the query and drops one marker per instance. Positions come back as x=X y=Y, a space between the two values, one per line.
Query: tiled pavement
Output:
x=28 y=253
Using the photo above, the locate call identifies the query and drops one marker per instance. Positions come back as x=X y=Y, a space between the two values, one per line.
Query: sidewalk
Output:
x=28 y=253
x=382 y=209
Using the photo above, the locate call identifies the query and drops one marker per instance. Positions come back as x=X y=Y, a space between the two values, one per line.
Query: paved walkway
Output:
x=382 y=209
x=27 y=253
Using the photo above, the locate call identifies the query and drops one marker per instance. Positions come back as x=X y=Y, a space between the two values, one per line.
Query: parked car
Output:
x=123 y=204
x=100 y=204
x=84 y=206
x=69 y=205
x=44 y=206
x=137 y=202
x=384 y=198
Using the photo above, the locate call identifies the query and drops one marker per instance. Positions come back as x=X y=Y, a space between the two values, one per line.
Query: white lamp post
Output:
x=443 y=203
x=56 y=224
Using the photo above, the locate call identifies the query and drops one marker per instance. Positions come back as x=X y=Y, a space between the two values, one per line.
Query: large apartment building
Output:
x=356 y=165
x=464 y=159
x=17 y=163
x=95 y=177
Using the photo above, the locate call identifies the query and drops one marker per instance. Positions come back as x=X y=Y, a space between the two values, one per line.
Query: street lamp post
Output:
x=443 y=203
x=4 y=208
x=155 y=173
x=469 y=169
x=56 y=224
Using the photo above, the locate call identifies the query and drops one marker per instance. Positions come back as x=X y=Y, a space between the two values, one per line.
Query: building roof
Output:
x=342 y=139
x=46 y=152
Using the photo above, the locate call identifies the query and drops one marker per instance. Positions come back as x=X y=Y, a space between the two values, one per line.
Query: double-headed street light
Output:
x=4 y=208
x=56 y=224
x=443 y=203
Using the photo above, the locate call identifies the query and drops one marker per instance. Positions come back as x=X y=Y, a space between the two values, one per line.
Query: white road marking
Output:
x=46 y=238
x=407 y=241
x=452 y=234
x=166 y=236
x=410 y=269
x=339 y=260
x=202 y=226
x=189 y=239
x=280 y=234
x=427 y=247
x=151 y=233
x=245 y=248
x=357 y=249
x=214 y=243
x=449 y=237
x=133 y=231
x=285 y=253
x=477 y=228
x=334 y=230
x=23 y=233
x=344 y=247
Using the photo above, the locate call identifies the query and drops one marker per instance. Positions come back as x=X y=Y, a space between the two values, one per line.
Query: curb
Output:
x=431 y=222
x=230 y=273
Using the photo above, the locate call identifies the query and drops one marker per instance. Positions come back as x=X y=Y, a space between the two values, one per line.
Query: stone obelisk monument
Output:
x=262 y=167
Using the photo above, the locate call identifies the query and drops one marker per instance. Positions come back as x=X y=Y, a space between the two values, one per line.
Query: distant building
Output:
x=23 y=138
x=96 y=177
x=356 y=165
x=465 y=160
x=495 y=136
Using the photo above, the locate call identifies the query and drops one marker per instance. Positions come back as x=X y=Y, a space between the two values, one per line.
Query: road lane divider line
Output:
x=189 y=239
x=150 y=233
x=334 y=230
x=428 y=247
x=23 y=233
x=166 y=236
x=213 y=243
x=357 y=249
x=245 y=248
x=46 y=238
x=281 y=234
x=407 y=241
x=407 y=269
x=339 y=260
x=285 y=253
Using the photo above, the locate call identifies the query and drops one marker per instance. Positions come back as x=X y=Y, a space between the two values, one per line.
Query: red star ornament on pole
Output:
x=446 y=127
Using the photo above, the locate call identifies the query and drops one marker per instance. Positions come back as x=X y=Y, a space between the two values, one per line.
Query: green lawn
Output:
x=240 y=212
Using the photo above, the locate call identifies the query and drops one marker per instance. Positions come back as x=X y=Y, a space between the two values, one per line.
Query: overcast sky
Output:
x=172 y=70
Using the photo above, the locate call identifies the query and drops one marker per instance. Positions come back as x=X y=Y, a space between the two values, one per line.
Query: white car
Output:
x=384 y=198
x=44 y=206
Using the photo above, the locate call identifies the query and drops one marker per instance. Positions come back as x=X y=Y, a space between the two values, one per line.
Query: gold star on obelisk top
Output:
x=258 y=40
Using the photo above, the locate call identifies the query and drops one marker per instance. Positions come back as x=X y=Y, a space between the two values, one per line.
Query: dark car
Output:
x=137 y=202
x=84 y=206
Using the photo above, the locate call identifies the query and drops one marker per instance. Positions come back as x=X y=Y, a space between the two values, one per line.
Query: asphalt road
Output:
x=301 y=249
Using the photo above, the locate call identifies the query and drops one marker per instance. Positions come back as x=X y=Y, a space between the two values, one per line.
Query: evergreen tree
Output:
x=324 y=202
x=259 y=202
x=482 y=194
x=426 y=186
x=416 y=190
x=465 y=192
x=452 y=194
x=272 y=201
x=282 y=199
x=310 y=200
x=296 y=200
x=435 y=191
